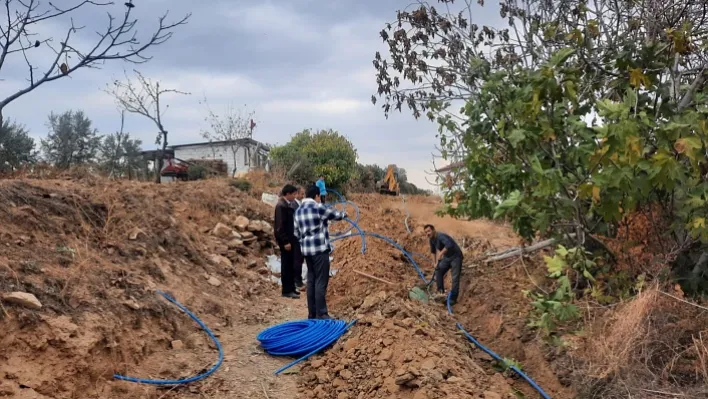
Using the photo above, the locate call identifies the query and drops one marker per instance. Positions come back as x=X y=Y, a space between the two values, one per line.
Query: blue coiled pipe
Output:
x=301 y=338
x=185 y=380
x=469 y=336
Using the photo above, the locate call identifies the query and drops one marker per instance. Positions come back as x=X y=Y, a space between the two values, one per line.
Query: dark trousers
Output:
x=297 y=269
x=317 y=281
x=455 y=265
x=287 y=270
x=323 y=198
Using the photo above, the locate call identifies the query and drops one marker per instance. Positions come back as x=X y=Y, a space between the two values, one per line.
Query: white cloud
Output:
x=267 y=19
x=335 y=106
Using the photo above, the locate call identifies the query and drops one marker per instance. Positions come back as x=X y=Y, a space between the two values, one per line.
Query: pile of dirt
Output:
x=400 y=349
x=80 y=262
x=492 y=307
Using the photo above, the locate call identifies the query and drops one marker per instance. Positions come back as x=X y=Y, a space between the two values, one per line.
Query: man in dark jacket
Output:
x=447 y=255
x=285 y=237
x=299 y=259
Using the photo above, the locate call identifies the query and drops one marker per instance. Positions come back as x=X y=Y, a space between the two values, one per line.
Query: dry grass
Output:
x=626 y=331
x=652 y=346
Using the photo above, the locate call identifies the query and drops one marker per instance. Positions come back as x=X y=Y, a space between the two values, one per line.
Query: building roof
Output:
x=151 y=154
x=450 y=167
x=250 y=141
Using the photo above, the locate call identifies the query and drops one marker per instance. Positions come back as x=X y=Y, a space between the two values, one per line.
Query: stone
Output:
x=214 y=281
x=386 y=354
x=222 y=231
x=322 y=376
x=343 y=395
x=177 y=344
x=428 y=364
x=254 y=226
x=252 y=263
x=235 y=243
x=455 y=380
x=491 y=395
x=135 y=233
x=241 y=222
x=404 y=378
x=346 y=374
x=23 y=299
x=220 y=260
x=132 y=304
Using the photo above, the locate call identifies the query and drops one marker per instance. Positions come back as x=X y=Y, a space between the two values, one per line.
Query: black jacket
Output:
x=284 y=225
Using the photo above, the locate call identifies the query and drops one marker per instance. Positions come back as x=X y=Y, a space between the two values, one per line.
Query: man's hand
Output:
x=288 y=247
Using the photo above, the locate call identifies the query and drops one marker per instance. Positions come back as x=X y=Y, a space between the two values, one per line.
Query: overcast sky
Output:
x=297 y=63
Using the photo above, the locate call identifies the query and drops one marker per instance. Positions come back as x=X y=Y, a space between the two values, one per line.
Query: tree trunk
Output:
x=162 y=156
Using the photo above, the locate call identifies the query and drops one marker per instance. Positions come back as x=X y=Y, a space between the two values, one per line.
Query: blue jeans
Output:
x=454 y=264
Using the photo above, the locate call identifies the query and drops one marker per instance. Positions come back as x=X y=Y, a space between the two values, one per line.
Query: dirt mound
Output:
x=403 y=350
x=492 y=307
x=93 y=253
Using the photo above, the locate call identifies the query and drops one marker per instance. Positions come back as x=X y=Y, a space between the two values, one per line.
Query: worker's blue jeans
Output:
x=317 y=281
x=453 y=263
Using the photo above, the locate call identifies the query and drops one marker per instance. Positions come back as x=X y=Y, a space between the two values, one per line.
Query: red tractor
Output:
x=175 y=169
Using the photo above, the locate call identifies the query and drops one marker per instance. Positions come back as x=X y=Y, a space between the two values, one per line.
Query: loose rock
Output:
x=23 y=299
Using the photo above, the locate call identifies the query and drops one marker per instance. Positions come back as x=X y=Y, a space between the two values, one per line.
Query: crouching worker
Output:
x=447 y=255
x=311 y=228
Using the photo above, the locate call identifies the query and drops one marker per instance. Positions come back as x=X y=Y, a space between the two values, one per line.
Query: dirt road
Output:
x=247 y=372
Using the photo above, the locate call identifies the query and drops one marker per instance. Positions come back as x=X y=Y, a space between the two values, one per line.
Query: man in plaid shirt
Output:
x=311 y=229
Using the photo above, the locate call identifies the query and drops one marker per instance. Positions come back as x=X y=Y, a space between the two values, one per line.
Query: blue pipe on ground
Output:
x=185 y=380
x=301 y=338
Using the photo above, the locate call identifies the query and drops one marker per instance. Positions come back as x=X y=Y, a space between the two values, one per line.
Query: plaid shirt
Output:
x=311 y=221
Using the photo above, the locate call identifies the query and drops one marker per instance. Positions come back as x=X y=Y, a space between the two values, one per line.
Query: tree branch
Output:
x=118 y=41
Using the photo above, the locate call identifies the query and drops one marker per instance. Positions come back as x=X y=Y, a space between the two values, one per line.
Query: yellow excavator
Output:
x=389 y=183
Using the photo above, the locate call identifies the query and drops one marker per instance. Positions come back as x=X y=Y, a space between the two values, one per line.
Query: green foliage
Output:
x=573 y=128
x=365 y=178
x=72 y=140
x=241 y=184
x=16 y=146
x=567 y=267
x=197 y=172
x=309 y=155
x=506 y=364
x=120 y=154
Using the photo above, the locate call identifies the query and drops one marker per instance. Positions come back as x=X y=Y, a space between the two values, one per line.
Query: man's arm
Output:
x=296 y=229
x=329 y=213
x=447 y=243
x=280 y=234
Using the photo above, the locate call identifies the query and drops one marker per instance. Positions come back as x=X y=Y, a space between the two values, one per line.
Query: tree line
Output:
x=325 y=152
x=72 y=141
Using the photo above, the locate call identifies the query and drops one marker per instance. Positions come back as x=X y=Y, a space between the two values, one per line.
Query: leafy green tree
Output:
x=16 y=146
x=120 y=155
x=580 y=114
x=72 y=140
x=365 y=177
x=309 y=155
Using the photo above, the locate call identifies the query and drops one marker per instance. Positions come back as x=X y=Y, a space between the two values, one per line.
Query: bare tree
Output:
x=144 y=97
x=117 y=41
x=232 y=128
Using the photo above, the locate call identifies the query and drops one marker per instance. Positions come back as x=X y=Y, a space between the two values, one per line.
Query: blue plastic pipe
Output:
x=301 y=338
x=185 y=380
